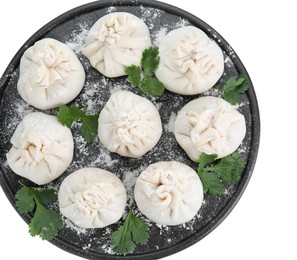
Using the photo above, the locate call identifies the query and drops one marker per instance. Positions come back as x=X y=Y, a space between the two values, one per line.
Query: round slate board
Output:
x=71 y=28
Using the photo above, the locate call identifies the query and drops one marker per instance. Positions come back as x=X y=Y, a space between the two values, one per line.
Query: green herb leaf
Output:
x=24 y=200
x=67 y=115
x=45 y=196
x=152 y=87
x=232 y=97
x=150 y=60
x=211 y=183
x=134 y=74
x=133 y=232
x=45 y=223
x=140 y=230
x=89 y=127
x=143 y=76
x=233 y=88
x=122 y=241
x=229 y=169
x=206 y=158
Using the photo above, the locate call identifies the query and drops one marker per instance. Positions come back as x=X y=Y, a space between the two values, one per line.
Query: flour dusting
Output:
x=150 y=15
x=182 y=23
x=111 y=9
x=77 y=38
x=159 y=35
x=78 y=230
x=228 y=62
x=169 y=127
x=129 y=179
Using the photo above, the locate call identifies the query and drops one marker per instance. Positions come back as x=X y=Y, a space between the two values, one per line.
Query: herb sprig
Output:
x=226 y=172
x=233 y=88
x=89 y=128
x=143 y=76
x=134 y=231
x=46 y=223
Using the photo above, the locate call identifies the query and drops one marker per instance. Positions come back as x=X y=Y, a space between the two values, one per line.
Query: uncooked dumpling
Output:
x=209 y=125
x=129 y=125
x=116 y=41
x=42 y=148
x=169 y=193
x=190 y=63
x=50 y=74
x=92 y=198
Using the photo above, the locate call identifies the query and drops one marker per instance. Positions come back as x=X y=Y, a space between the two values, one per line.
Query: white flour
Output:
x=78 y=230
x=77 y=40
x=129 y=178
x=169 y=127
x=159 y=35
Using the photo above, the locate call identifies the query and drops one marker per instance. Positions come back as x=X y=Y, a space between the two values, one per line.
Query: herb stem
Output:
x=22 y=184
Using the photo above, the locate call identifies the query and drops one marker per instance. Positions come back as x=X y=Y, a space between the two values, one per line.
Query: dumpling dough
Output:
x=169 y=193
x=129 y=125
x=50 y=74
x=92 y=198
x=42 y=149
x=209 y=125
x=116 y=41
x=190 y=63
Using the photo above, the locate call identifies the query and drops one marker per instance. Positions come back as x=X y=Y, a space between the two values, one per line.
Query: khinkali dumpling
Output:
x=129 y=125
x=92 y=198
x=169 y=193
x=209 y=125
x=42 y=148
x=50 y=74
x=190 y=63
x=116 y=41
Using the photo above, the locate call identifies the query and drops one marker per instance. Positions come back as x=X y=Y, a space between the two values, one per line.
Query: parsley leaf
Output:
x=229 y=168
x=45 y=223
x=45 y=196
x=133 y=232
x=122 y=240
x=214 y=177
x=142 y=76
x=233 y=88
x=150 y=60
x=67 y=115
x=205 y=159
x=152 y=87
x=211 y=183
x=139 y=230
x=134 y=74
x=89 y=128
x=24 y=200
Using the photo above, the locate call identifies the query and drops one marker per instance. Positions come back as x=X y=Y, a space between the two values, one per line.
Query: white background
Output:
x=263 y=33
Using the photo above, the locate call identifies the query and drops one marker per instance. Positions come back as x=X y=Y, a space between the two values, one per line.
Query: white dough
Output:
x=92 y=198
x=116 y=41
x=209 y=125
x=169 y=193
x=50 y=74
x=190 y=63
x=129 y=125
x=42 y=148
